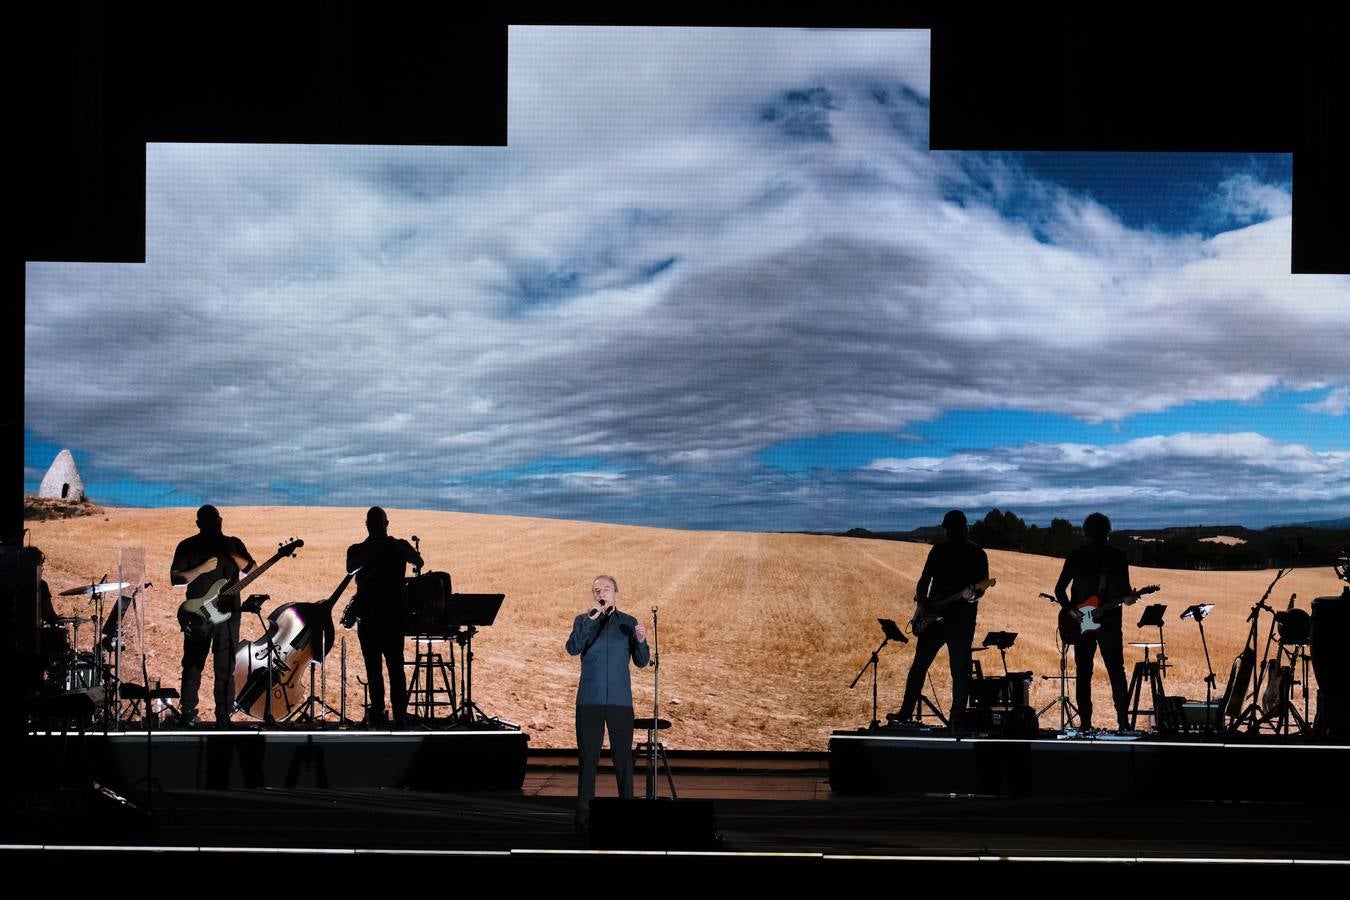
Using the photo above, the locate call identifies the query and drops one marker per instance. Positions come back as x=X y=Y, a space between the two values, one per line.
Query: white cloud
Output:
x=1243 y=198
x=1335 y=403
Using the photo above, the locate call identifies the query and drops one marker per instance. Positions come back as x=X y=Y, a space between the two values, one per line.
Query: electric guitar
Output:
x=931 y=612
x=198 y=615
x=1093 y=608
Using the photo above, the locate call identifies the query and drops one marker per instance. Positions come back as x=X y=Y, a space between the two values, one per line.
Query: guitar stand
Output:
x=1285 y=708
x=254 y=604
x=1250 y=717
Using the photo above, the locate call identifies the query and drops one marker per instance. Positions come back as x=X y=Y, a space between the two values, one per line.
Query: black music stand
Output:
x=1152 y=617
x=891 y=632
x=1001 y=641
x=467 y=613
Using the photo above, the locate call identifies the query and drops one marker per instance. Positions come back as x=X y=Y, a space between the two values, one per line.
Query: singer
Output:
x=605 y=639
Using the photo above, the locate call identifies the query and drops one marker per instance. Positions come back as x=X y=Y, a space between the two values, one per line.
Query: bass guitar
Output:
x=198 y=615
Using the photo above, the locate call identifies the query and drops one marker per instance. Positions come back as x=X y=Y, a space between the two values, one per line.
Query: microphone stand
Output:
x=890 y=633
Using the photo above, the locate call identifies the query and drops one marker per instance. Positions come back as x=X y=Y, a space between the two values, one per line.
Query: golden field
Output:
x=760 y=633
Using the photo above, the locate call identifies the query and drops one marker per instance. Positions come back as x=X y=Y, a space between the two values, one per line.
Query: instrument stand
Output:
x=342 y=697
x=469 y=612
x=1250 y=717
x=1285 y=707
x=254 y=605
x=426 y=691
x=1001 y=641
x=1198 y=613
x=1068 y=713
x=1153 y=618
x=923 y=700
x=1150 y=671
x=468 y=712
x=315 y=708
x=932 y=708
x=653 y=749
x=891 y=632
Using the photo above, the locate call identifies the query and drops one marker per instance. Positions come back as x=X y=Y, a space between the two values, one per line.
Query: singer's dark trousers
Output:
x=591 y=724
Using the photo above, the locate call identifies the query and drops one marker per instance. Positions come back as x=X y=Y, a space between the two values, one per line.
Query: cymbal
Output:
x=71 y=620
x=646 y=724
x=96 y=588
x=1144 y=644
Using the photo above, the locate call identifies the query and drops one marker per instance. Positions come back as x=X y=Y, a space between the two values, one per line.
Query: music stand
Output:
x=466 y=614
x=1152 y=617
x=891 y=632
x=1198 y=612
x=1001 y=641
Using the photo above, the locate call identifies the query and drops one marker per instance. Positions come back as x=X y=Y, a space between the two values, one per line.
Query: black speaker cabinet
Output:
x=652 y=824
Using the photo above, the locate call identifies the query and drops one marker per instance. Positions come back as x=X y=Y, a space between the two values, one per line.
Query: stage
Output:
x=1261 y=768
x=782 y=814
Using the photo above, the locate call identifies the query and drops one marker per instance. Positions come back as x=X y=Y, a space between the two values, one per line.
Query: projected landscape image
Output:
x=717 y=290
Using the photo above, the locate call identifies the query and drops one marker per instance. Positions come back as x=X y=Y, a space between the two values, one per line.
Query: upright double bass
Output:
x=298 y=634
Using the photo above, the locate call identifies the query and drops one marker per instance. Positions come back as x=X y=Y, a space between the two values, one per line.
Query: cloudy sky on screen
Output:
x=715 y=280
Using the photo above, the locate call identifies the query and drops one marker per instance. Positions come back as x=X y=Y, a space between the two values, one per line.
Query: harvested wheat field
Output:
x=760 y=633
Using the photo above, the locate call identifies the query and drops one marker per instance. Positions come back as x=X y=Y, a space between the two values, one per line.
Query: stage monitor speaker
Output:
x=653 y=824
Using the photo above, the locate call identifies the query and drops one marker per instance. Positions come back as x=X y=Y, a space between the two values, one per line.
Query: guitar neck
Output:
x=251 y=576
x=1111 y=604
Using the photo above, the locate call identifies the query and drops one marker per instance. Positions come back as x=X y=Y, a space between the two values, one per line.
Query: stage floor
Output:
x=767 y=807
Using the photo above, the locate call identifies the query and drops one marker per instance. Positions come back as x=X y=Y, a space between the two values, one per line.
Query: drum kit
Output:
x=93 y=665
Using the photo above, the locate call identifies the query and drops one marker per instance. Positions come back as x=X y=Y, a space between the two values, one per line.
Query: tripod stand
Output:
x=316 y=708
x=890 y=632
x=1068 y=713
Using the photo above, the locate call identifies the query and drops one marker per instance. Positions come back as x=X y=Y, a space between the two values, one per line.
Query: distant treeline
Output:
x=1166 y=548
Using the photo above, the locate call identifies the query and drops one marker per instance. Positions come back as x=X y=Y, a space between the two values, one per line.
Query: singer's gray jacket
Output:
x=604 y=666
